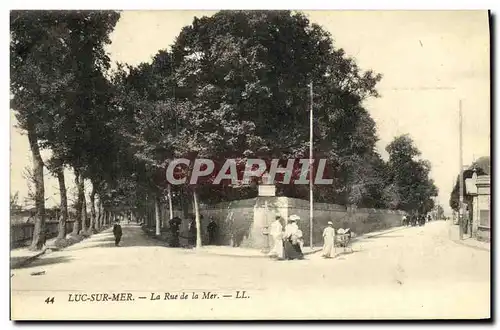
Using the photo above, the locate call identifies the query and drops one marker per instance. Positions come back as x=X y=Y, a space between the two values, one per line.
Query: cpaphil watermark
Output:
x=234 y=171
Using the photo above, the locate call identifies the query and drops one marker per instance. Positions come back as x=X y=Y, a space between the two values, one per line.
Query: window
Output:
x=484 y=218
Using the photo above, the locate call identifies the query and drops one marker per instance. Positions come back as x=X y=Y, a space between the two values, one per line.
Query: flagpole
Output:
x=311 y=200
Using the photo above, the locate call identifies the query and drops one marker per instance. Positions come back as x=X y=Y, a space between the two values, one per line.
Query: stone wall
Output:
x=245 y=222
x=21 y=234
x=234 y=220
x=359 y=221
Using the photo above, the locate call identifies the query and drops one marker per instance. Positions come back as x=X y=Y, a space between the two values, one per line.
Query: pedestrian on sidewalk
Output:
x=329 y=241
x=276 y=234
x=117 y=232
x=291 y=239
x=212 y=229
x=192 y=231
x=174 y=225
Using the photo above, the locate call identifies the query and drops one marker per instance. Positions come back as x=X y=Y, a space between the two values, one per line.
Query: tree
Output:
x=411 y=187
x=482 y=166
x=14 y=202
x=55 y=166
x=230 y=89
x=250 y=93
x=53 y=52
x=87 y=112
x=247 y=74
x=146 y=125
x=37 y=83
x=439 y=212
x=483 y=163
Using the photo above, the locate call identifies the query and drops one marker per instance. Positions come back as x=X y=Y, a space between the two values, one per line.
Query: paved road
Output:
x=409 y=273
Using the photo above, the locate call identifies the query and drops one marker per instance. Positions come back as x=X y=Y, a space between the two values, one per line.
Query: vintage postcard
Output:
x=250 y=165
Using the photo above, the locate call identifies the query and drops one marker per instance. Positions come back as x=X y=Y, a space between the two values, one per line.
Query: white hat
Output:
x=294 y=217
x=330 y=223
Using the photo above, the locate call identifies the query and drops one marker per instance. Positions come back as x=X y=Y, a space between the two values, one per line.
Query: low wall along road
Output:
x=244 y=222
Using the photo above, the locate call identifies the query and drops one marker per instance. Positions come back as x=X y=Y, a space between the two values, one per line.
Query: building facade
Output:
x=479 y=188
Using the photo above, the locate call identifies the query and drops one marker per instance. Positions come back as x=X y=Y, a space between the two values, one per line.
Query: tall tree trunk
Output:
x=99 y=216
x=92 y=210
x=197 y=218
x=169 y=197
x=78 y=215
x=84 y=207
x=61 y=234
x=39 y=230
x=106 y=217
x=184 y=202
x=157 y=216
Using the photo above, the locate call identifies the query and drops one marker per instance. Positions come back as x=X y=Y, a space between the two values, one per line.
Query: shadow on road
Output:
x=44 y=262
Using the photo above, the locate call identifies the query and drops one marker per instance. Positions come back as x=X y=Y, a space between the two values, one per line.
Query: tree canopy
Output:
x=482 y=166
x=234 y=85
x=411 y=188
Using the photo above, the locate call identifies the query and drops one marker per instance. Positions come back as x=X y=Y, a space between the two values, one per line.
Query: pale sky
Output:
x=429 y=61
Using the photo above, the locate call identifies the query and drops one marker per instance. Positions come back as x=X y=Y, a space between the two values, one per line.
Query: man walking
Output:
x=212 y=232
x=192 y=231
x=174 y=225
x=117 y=232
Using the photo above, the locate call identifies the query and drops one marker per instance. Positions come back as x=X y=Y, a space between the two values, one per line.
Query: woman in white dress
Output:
x=329 y=241
x=276 y=232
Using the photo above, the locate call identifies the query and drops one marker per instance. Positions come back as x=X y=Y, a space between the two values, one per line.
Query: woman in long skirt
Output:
x=276 y=233
x=291 y=240
x=329 y=241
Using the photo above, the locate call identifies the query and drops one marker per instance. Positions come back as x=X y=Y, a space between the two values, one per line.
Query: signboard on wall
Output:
x=267 y=190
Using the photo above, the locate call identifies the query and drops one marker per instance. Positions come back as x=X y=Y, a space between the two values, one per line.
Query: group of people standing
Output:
x=288 y=242
x=175 y=232
x=415 y=219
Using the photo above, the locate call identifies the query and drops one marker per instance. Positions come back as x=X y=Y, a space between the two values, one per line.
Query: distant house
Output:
x=479 y=188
